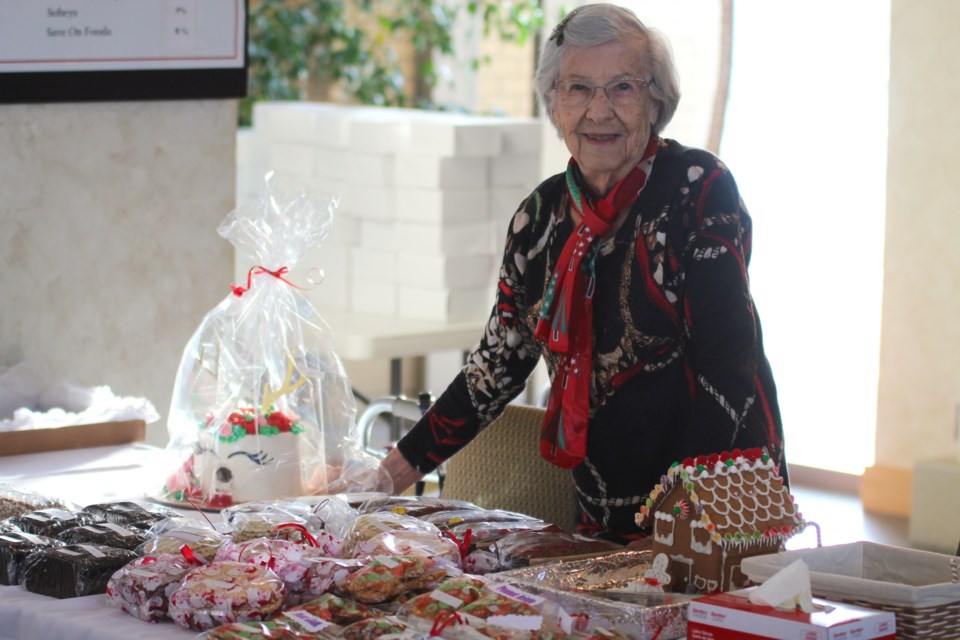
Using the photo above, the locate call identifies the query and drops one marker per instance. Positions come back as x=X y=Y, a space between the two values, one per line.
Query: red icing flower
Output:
x=701 y=459
x=687 y=462
x=713 y=458
x=280 y=420
x=219 y=500
x=237 y=418
x=737 y=453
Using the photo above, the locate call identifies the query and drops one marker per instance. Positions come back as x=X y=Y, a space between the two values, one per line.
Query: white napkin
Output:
x=787 y=589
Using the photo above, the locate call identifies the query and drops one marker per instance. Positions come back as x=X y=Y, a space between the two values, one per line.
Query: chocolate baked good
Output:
x=105 y=533
x=72 y=570
x=50 y=522
x=127 y=512
x=15 y=546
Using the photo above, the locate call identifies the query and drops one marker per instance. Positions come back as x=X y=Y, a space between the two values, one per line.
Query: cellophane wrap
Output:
x=603 y=589
x=262 y=407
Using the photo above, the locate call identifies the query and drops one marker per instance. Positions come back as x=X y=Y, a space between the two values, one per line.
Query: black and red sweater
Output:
x=678 y=362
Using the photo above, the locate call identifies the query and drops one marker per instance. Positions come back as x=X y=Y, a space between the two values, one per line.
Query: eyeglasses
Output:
x=624 y=92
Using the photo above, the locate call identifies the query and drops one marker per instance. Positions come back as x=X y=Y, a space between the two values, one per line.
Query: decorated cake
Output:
x=710 y=512
x=249 y=456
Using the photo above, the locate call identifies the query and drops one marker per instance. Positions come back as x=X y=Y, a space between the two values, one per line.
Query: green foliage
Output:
x=299 y=43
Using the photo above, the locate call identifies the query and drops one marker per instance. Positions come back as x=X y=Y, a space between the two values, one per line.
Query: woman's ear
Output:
x=654 y=112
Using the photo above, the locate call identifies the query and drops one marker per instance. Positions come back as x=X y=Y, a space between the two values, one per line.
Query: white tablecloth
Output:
x=28 y=616
x=82 y=476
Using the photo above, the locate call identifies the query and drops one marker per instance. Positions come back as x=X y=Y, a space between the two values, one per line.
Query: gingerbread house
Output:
x=709 y=513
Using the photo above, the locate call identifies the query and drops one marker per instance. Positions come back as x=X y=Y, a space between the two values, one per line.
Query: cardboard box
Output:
x=73 y=437
x=729 y=616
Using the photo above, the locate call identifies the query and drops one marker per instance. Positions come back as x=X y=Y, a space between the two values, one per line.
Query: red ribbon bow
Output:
x=444 y=620
x=191 y=557
x=255 y=271
x=464 y=545
x=305 y=535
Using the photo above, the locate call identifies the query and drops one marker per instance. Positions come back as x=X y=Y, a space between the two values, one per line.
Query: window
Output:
x=806 y=138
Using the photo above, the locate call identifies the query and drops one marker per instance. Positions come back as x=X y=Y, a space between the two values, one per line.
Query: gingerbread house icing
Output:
x=709 y=513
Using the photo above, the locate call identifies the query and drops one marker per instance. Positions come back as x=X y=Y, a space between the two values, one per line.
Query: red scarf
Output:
x=566 y=318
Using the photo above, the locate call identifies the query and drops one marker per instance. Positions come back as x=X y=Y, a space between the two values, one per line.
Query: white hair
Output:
x=595 y=24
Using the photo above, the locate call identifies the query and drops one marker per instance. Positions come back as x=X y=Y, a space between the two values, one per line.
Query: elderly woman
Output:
x=628 y=274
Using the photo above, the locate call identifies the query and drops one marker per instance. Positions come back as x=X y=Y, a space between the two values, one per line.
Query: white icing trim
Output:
x=666 y=539
x=705 y=549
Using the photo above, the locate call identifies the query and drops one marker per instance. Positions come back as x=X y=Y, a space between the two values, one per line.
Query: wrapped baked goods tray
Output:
x=611 y=590
x=79 y=436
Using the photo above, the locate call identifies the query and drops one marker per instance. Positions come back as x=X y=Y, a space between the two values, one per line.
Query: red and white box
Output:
x=731 y=616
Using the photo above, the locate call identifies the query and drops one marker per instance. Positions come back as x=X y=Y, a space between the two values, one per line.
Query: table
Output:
x=83 y=476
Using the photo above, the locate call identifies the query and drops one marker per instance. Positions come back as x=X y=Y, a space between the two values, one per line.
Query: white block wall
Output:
x=424 y=201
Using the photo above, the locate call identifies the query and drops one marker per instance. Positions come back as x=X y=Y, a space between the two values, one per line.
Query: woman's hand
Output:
x=400 y=472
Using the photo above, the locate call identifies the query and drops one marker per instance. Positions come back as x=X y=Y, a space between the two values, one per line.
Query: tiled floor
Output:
x=841 y=519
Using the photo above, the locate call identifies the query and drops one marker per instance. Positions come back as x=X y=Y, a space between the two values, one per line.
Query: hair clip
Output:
x=558 y=30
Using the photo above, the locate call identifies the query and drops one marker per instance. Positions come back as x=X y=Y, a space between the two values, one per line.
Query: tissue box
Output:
x=919 y=587
x=726 y=616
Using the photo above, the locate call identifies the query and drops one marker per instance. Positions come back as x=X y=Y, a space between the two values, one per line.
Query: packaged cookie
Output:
x=171 y=535
x=50 y=522
x=127 y=512
x=409 y=543
x=266 y=630
x=290 y=561
x=143 y=586
x=494 y=604
x=104 y=533
x=332 y=513
x=449 y=596
x=223 y=592
x=15 y=546
x=416 y=506
x=15 y=501
x=446 y=520
x=326 y=543
x=325 y=575
x=519 y=549
x=386 y=577
x=370 y=525
x=484 y=534
x=373 y=628
x=311 y=626
x=261 y=519
x=72 y=570
x=337 y=610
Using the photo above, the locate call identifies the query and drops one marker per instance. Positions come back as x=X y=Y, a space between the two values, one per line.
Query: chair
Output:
x=502 y=469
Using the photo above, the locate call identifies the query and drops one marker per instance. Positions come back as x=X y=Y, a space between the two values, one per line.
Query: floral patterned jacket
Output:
x=678 y=363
